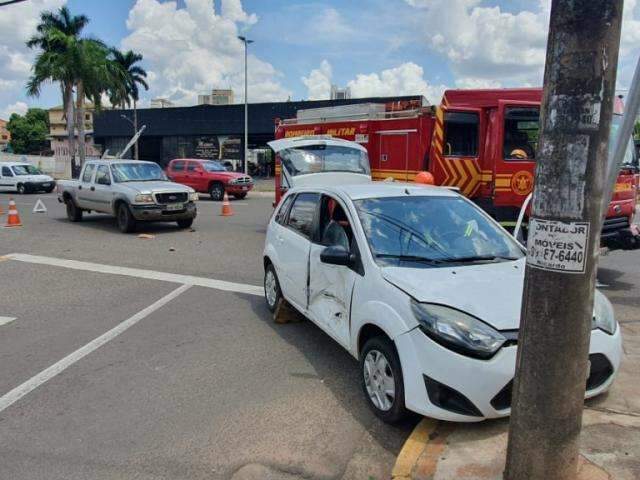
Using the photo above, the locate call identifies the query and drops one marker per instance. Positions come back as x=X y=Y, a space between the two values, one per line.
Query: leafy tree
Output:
x=29 y=132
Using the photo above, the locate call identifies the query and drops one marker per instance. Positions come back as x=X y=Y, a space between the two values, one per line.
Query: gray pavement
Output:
x=207 y=386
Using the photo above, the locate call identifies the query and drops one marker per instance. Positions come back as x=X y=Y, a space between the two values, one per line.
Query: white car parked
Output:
x=24 y=178
x=422 y=287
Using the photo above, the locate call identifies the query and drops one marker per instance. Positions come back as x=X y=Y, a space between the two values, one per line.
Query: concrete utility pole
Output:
x=246 y=42
x=552 y=364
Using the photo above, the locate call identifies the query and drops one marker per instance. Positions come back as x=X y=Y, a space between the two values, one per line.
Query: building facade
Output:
x=5 y=136
x=217 y=97
x=60 y=138
x=206 y=131
x=161 y=103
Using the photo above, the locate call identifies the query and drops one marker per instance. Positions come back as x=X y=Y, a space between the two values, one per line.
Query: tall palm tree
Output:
x=57 y=36
x=123 y=93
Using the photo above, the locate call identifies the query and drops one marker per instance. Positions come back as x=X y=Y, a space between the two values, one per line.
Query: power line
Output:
x=9 y=2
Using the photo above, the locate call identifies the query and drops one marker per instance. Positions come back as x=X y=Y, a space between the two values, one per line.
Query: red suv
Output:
x=209 y=176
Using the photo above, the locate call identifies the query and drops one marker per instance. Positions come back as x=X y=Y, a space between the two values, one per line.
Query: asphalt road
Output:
x=205 y=386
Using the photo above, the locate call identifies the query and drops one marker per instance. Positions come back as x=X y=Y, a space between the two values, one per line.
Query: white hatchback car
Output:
x=422 y=287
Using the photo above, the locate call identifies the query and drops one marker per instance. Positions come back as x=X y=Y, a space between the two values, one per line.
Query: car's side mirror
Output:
x=337 y=255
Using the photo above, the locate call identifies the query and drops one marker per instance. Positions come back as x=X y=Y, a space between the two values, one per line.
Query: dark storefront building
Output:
x=204 y=131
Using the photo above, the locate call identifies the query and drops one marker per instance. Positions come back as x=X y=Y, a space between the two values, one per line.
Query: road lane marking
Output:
x=6 y=320
x=140 y=273
x=20 y=391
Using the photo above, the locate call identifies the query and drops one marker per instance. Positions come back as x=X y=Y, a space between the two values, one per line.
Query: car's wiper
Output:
x=476 y=258
x=409 y=258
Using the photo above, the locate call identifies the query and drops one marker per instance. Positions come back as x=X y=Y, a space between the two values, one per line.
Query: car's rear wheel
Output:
x=74 y=214
x=126 y=222
x=382 y=380
x=216 y=191
x=272 y=292
x=185 y=222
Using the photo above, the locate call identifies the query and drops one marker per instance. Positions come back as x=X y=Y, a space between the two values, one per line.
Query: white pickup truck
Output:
x=131 y=190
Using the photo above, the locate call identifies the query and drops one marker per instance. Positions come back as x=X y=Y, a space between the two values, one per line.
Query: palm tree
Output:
x=123 y=93
x=57 y=36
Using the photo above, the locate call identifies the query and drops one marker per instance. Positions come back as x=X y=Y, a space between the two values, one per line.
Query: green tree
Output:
x=123 y=93
x=29 y=132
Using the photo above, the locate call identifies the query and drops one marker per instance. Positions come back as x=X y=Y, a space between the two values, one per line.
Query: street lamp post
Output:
x=135 y=130
x=246 y=42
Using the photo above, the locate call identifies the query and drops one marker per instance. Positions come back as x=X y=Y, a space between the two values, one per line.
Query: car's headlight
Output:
x=457 y=331
x=603 y=317
x=144 y=198
x=193 y=196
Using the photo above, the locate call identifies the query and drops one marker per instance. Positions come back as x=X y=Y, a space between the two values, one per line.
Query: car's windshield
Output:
x=432 y=231
x=26 y=170
x=324 y=158
x=629 y=155
x=137 y=172
x=213 y=166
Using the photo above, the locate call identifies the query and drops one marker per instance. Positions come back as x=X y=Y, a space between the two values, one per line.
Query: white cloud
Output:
x=405 y=79
x=17 y=24
x=318 y=82
x=193 y=49
x=18 y=107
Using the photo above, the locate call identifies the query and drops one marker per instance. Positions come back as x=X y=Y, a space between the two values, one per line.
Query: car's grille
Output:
x=601 y=371
x=173 y=197
x=614 y=224
x=242 y=181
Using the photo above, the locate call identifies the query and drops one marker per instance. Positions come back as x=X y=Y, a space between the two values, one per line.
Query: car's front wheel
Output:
x=126 y=222
x=272 y=292
x=185 y=222
x=21 y=188
x=382 y=380
x=240 y=196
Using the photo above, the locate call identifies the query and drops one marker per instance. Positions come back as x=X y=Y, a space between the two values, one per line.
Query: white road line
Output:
x=6 y=320
x=139 y=273
x=17 y=393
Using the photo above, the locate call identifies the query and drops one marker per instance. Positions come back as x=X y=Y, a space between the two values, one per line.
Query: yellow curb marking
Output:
x=412 y=449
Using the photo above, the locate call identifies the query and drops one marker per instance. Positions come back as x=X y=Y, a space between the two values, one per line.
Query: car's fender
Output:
x=379 y=314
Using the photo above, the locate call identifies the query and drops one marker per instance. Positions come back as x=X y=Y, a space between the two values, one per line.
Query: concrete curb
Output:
x=413 y=449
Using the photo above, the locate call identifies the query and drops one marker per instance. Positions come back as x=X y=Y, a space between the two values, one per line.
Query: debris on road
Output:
x=146 y=236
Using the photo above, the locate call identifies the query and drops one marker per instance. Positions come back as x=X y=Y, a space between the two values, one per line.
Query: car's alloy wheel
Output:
x=126 y=222
x=382 y=379
x=378 y=380
x=217 y=192
x=271 y=288
x=21 y=189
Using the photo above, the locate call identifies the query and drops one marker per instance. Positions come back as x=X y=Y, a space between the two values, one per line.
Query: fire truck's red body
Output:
x=481 y=141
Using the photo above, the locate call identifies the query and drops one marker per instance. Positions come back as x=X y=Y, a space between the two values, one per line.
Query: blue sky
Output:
x=377 y=47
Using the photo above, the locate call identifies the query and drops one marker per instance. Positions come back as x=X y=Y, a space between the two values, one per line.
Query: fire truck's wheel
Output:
x=216 y=191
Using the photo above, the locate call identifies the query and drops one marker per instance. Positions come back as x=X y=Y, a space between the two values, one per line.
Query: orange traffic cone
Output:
x=226 y=207
x=13 y=219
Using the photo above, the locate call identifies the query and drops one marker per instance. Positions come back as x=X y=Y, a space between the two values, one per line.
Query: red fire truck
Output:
x=481 y=141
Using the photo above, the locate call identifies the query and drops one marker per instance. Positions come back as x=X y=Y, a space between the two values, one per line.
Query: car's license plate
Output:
x=245 y=188
x=46 y=185
x=174 y=206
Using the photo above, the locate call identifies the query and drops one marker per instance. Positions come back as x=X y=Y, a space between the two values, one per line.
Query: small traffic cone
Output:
x=227 y=211
x=13 y=219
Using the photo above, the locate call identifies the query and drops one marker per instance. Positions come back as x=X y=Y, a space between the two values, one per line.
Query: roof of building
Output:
x=215 y=119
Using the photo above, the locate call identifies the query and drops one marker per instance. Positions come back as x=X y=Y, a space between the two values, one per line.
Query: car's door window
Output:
x=521 y=132
x=88 y=173
x=192 y=166
x=6 y=172
x=303 y=213
x=461 y=132
x=178 y=166
x=281 y=216
x=335 y=228
x=102 y=176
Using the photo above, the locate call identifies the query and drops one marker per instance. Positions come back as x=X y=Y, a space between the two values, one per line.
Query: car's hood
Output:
x=157 y=186
x=329 y=178
x=491 y=292
x=34 y=178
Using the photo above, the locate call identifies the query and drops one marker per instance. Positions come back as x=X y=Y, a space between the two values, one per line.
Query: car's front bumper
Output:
x=159 y=213
x=485 y=384
x=40 y=186
x=238 y=189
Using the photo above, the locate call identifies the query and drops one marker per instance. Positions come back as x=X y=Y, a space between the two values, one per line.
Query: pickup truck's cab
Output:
x=209 y=176
x=131 y=190
x=23 y=178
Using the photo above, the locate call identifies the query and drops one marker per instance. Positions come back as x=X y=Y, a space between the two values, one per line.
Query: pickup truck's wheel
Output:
x=240 y=196
x=382 y=380
x=126 y=222
x=74 y=214
x=272 y=292
x=216 y=191
x=185 y=222
x=21 y=189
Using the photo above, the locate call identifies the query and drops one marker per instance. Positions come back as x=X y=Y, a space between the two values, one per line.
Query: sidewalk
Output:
x=610 y=438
